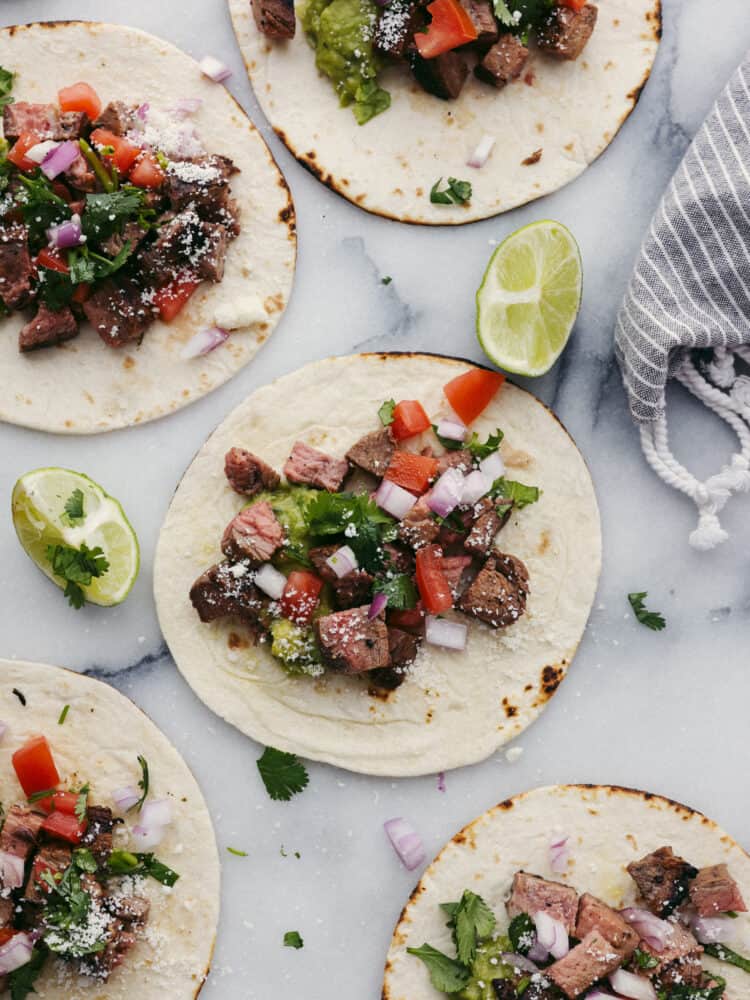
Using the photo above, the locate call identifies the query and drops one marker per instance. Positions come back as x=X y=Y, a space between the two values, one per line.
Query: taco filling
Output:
x=353 y=561
x=440 y=42
x=112 y=214
x=71 y=872
x=559 y=945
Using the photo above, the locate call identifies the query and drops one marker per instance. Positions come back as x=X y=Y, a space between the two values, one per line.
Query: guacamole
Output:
x=487 y=966
x=296 y=648
x=341 y=32
x=288 y=504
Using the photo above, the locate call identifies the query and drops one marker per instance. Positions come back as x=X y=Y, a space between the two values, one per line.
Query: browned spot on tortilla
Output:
x=609 y=64
x=345 y=182
x=632 y=841
x=616 y=22
x=274 y=303
x=235 y=641
x=550 y=680
x=540 y=127
x=398 y=191
x=69 y=423
x=593 y=812
x=529 y=687
x=428 y=716
x=529 y=78
x=312 y=154
x=505 y=804
x=420 y=192
x=128 y=362
x=535 y=157
x=516 y=458
x=544 y=542
x=510 y=711
x=382 y=694
x=89 y=398
x=360 y=199
x=568 y=148
x=185 y=393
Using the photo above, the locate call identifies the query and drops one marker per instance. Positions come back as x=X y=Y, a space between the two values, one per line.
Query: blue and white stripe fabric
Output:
x=690 y=290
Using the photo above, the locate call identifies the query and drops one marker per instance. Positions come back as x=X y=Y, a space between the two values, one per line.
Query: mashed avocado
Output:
x=487 y=966
x=296 y=648
x=289 y=507
x=341 y=32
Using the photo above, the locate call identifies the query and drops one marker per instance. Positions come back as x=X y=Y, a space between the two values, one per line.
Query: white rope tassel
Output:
x=721 y=368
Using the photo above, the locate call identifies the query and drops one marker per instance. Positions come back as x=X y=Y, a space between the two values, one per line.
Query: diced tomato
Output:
x=409 y=418
x=431 y=580
x=125 y=153
x=34 y=766
x=450 y=27
x=64 y=802
x=573 y=4
x=147 y=173
x=81 y=293
x=471 y=392
x=6 y=933
x=62 y=191
x=64 y=826
x=410 y=618
x=80 y=97
x=20 y=148
x=411 y=471
x=51 y=259
x=171 y=299
x=300 y=597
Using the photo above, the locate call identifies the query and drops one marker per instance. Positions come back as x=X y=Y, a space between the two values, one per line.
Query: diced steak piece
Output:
x=532 y=894
x=227 y=590
x=351 y=643
x=396 y=25
x=399 y=559
x=132 y=233
x=118 y=117
x=593 y=914
x=248 y=474
x=444 y=76
x=402 y=646
x=460 y=459
x=254 y=534
x=71 y=124
x=52 y=858
x=118 y=313
x=275 y=18
x=483 y=19
x=353 y=590
x=311 y=467
x=7 y=906
x=681 y=950
x=318 y=557
x=565 y=32
x=202 y=184
x=498 y=594
x=715 y=891
x=487 y=522
x=101 y=964
x=43 y=119
x=590 y=960
x=132 y=910
x=80 y=176
x=419 y=527
x=186 y=244
x=453 y=568
x=98 y=836
x=47 y=328
x=15 y=265
x=374 y=451
x=20 y=831
x=504 y=62
x=662 y=880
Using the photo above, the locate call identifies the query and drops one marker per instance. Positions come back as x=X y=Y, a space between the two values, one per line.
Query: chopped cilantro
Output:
x=651 y=619
x=358 y=518
x=521 y=933
x=456 y=193
x=448 y=443
x=283 y=774
x=38 y=796
x=87 y=266
x=63 y=715
x=82 y=803
x=292 y=939
x=386 y=412
x=684 y=991
x=77 y=567
x=447 y=975
x=471 y=921
x=386 y=280
x=68 y=930
x=21 y=981
x=127 y=863
x=237 y=852
x=40 y=207
x=74 y=509
x=106 y=214
x=725 y=954
x=481 y=450
x=85 y=860
x=55 y=288
x=521 y=495
x=6 y=87
x=643 y=960
x=399 y=589
x=143 y=784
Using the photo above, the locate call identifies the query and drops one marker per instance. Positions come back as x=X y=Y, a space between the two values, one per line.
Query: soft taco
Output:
x=579 y=891
x=109 y=875
x=452 y=110
x=147 y=240
x=411 y=594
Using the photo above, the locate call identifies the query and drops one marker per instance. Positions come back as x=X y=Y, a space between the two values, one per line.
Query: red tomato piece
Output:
x=51 y=259
x=35 y=766
x=64 y=802
x=147 y=173
x=80 y=97
x=64 y=826
x=433 y=585
x=450 y=27
x=470 y=393
x=81 y=293
x=17 y=154
x=411 y=471
x=409 y=419
x=300 y=597
x=573 y=4
x=171 y=299
x=6 y=933
x=125 y=153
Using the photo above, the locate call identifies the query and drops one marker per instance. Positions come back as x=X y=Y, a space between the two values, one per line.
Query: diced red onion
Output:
x=145 y=838
x=476 y=484
x=343 y=561
x=187 y=106
x=406 y=842
x=393 y=499
x=520 y=962
x=205 y=341
x=11 y=870
x=156 y=812
x=559 y=852
x=446 y=494
x=453 y=430
x=270 y=581
x=551 y=934
x=15 y=953
x=448 y=634
x=627 y=984
x=39 y=152
x=493 y=466
x=709 y=930
x=482 y=152
x=3 y=730
x=379 y=602
x=143 y=110
x=68 y=234
x=441 y=781
x=214 y=69
x=599 y=994
x=537 y=952
x=59 y=159
x=654 y=931
x=125 y=798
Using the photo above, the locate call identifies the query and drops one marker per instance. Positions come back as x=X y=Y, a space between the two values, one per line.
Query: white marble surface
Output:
x=664 y=711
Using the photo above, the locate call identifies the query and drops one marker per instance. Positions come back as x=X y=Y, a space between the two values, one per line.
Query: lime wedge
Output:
x=40 y=519
x=529 y=298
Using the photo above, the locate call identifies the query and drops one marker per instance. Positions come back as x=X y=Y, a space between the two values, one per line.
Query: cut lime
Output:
x=529 y=298
x=40 y=519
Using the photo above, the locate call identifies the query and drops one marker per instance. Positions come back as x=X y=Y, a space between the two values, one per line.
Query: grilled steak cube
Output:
x=132 y=233
x=47 y=328
x=532 y=894
x=374 y=451
x=248 y=474
x=98 y=836
x=43 y=119
x=80 y=176
x=351 y=643
x=590 y=960
x=593 y=914
x=71 y=125
x=201 y=183
x=311 y=467
x=460 y=459
x=131 y=910
x=52 y=858
x=504 y=62
x=275 y=18
x=254 y=534
x=715 y=891
x=497 y=595
x=118 y=313
x=453 y=568
x=7 y=906
x=353 y=589
x=396 y=25
x=227 y=590
x=402 y=646
x=483 y=19
x=680 y=951
x=419 y=527
x=101 y=964
x=487 y=522
x=444 y=76
x=15 y=265
x=186 y=243
x=20 y=831
x=118 y=117
x=565 y=32
x=662 y=880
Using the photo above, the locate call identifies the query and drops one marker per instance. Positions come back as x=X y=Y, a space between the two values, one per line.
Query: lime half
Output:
x=40 y=519
x=529 y=298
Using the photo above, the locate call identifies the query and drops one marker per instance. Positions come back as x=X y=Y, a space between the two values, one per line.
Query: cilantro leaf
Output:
x=41 y=208
x=82 y=803
x=725 y=954
x=6 y=87
x=386 y=412
x=503 y=14
x=521 y=495
x=21 y=981
x=55 y=288
x=651 y=619
x=283 y=774
x=143 y=783
x=84 y=860
x=684 y=991
x=237 y=852
x=127 y=863
x=400 y=591
x=68 y=928
x=74 y=509
x=357 y=517
x=522 y=933
x=87 y=266
x=77 y=567
x=292 y=939
x=483 y=450
x=107 y=213
x=446 y=974
x=456 y=193
x=448 y=443
x=471 y=921
x=643 y=960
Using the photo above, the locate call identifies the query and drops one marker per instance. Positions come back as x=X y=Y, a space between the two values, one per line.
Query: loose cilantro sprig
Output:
x=107 y=213
x=483 y=449
x=643 y=960
x=359 y=519
x=6 y=87
x=82 y=803
x=456 y=193
x=651 y=619
x=74 y=508
x=143 y=783
x=283 y=774
x=237 y=852
x=519 y=493
x=399 y=589
x=471 y=920
x=66 y=918
x=63 y=715
x=40 y=208
x=292 y=939
x=78 y=567
x=447 y=975
x=127 y=863
x=87 y=266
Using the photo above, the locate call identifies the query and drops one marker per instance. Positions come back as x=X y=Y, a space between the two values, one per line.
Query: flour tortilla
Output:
x=454 y=708
x=569 y=111
x=99 y=743
x=84 y=386
x=608 y=828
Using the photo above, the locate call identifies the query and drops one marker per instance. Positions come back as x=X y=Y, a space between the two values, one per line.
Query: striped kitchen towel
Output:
x=686 y=314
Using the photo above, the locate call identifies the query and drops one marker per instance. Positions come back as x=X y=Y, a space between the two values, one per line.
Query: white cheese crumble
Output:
x=240 y=312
